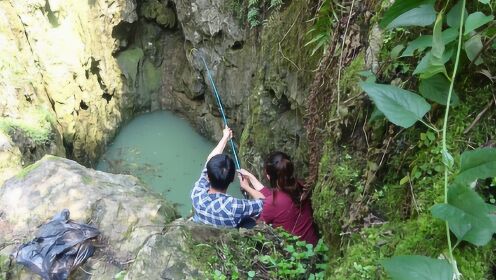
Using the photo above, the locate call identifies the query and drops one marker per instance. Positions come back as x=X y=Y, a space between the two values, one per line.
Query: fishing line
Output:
x=221 y=109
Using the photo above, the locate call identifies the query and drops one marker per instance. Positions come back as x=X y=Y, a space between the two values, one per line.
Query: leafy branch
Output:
x=465 y=213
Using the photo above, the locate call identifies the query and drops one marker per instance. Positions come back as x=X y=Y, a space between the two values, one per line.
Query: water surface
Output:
x=165 y=152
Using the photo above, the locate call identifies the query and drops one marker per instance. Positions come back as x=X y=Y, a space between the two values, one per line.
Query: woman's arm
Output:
x=245 y=185
x=226 y=135
x=253 y=180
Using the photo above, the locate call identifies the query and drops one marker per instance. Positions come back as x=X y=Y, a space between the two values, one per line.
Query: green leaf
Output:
x=395 y=52
x=437 y=39
x=425 y=41
x=428 y=66
x=436 y=89
x=418 y=268
x=477 y=164
x=473 y=47
x=485 y=1
x=468 y=215
x=251 y=273
x=447 y=159
x=398 y=8
x=458 y=221
x=476 y=20
x=315 y=39
x=422 y=15
x=404 y=180
x=368 y=75
x=420 y=44
x=400 y=106
x=434 y=63
x=453 y=16
x=450 y=35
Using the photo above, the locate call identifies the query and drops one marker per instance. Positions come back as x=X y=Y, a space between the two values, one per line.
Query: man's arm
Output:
x=226 y=135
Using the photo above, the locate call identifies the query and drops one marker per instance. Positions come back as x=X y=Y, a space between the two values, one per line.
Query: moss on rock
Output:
x=35 y=123
x=160 y=12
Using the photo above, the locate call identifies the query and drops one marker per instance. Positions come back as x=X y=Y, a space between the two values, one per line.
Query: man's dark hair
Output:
x=220 y=171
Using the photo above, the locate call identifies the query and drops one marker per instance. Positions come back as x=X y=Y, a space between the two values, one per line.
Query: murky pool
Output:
x=165 y=152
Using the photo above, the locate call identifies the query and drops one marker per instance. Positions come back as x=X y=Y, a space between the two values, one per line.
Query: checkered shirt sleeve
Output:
x=242 y=208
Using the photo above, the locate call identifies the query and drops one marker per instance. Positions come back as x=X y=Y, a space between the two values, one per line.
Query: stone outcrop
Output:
x=124 y=211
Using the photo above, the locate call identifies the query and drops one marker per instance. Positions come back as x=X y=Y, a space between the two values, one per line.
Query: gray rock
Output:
x=168 y=255
x=126 y=213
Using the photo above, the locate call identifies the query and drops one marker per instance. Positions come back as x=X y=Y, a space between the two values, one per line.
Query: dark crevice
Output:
x=107 y=96
x=124 y=33
x=94 y=69
x=69 y=148
x=237 y=45
x=83 y=105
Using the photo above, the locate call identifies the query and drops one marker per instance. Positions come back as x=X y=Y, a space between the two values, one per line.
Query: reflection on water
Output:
x=164 y=152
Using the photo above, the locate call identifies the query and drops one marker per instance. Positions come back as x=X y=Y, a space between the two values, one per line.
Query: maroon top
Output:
x=281 y=211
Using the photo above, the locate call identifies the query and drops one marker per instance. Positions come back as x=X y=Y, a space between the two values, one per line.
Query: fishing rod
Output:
x=222 y=112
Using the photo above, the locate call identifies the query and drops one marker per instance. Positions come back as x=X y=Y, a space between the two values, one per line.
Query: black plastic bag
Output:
x=59 y=247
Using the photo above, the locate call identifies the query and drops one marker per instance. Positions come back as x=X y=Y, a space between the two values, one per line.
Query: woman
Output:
x=285 y=201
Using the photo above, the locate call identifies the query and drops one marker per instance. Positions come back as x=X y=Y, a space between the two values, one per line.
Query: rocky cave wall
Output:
x=63 y=86
x=93 y=64
x=262 y=75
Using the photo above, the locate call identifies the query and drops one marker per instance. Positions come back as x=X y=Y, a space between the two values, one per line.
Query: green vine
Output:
x=447 y=158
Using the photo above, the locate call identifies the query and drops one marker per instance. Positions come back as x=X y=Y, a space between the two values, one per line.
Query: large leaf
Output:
x=475 y=21
x=436 y=88
x=423 y=15
x=468 y=215
x=473 y=47
x=400 y=106
x=453 y=16
x=425 y=41
x=477 y=164
x=418 y=268
x=398 y=8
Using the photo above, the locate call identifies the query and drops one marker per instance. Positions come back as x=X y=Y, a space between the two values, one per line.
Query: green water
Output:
x=165 y=152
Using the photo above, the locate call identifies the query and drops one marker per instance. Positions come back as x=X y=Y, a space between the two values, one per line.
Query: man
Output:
x=211 y=203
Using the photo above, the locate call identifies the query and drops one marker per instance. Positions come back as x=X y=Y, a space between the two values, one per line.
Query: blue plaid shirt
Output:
x=220 y=210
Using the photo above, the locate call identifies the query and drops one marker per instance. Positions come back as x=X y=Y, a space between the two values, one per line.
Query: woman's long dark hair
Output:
x=280 y=169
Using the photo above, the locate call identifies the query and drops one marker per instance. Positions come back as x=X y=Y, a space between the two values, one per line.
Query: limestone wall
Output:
x=61 y=61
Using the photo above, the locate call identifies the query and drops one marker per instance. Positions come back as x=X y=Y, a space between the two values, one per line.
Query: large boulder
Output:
x=126 y=212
